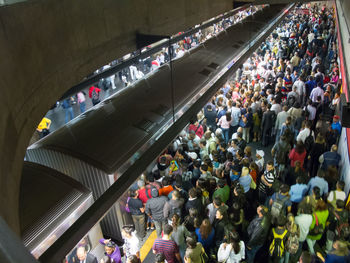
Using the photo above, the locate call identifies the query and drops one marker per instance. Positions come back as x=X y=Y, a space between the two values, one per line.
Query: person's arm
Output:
x=265 y=182
x=166 y=210
x=321 y=159
x=224 y=252
x=177 y=255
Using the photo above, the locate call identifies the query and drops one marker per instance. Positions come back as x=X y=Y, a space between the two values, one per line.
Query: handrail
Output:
x=158 y=47
x=102 y=205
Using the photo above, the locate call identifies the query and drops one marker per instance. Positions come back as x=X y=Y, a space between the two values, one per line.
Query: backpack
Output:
x=277 y=208
x=281 y=154
x=291 y=100
x=292 y=244
x=309 y=142
x=342 y=229
x=277 y=245
x=318 y=228
x=95 y=96
x=175 y=210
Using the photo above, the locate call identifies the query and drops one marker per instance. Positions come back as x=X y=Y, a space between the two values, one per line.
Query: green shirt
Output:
x=224 y=193
x=322 y=217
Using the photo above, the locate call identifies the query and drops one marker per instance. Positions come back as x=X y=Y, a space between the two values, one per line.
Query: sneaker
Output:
x=148 y=228
x=153 y=228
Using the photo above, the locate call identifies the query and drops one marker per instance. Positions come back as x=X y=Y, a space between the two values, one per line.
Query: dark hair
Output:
x=160 y=258
x=191 y=242
x=217 y=201
x=340 y=204
x=132 y=193
x=299 y=148
x=317 y=192
x=192 y=192
x=228 y=116
x=167 y=229
x=128 y=229
x=284 y=188
x=341 y=185
x=133 y=259
x=306 y=257
x=204 y=167
x=321 y=205
x=270 y=162
x=235 y=241
x=281 y=220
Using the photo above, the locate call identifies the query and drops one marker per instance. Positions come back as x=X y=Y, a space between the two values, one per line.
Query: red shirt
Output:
x=143 y=196
x=294 y=156
x=198 y=130
x=91 y=89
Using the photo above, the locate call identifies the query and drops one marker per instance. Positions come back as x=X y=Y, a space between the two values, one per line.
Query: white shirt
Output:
x=312 y=112
x=339 y=195
x=131 y=245
x=303 y=134
x=304 y=221
x=228 y=254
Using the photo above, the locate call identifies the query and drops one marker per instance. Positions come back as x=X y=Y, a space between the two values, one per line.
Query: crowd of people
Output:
x=220 y=193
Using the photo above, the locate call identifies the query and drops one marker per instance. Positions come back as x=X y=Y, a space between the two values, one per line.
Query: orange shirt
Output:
x=166 y=190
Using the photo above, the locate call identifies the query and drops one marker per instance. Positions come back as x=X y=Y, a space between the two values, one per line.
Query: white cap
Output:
x=192 y=155
x=260 y=152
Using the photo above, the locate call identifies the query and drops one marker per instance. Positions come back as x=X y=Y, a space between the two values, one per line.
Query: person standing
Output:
x=131 y=242
x=137 y=211
x=154 y=209
x=94 y=95
x=44 y=127
x=111 y=250
x=67 y=106
x=81 y=101
x=267 y=123
x=82 y=256
x=166 y=246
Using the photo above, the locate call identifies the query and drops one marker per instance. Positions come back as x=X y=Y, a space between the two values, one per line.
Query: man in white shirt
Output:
x=317 y=92
x=277 y=108
x=303 y=134
x=311 y=110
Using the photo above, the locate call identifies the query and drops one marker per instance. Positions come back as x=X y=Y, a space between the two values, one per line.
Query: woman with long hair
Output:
x=179 y=234
x=205 y=234
x=232 y=250
x=224 y=123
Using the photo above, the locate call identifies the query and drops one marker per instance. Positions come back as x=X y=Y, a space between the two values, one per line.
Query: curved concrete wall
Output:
x=47 y=46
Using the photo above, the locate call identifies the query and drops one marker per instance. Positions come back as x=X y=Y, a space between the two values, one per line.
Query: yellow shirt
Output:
x=44 y=124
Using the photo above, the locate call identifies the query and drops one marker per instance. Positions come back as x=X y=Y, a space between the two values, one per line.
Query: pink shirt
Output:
x=223 y=123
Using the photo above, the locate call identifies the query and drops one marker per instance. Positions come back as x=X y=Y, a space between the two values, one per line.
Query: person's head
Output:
x=305 y=257
x=205 y=228
x=321 y=205
x=316 y=192
x=167 y=229
x=269 y=166
x=176 y=195
x=334 y=148
x=340 y=185
x=127 y=231
x=281 y=221
x=341 y=248
x=160 y=258
x=284 y=189
x=133 y=259
x=133 y=193
x=220 y=213
x=110 y=247
x=140 y=184
x=81 y=253
x=299 y=148
x=300 y=180
x=192 y=193
x=191 y=242
x=228 y=116
x=261 y=210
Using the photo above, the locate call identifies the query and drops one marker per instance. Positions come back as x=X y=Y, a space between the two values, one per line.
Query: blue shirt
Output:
x=320 y=182
x=207 y=243
x=297 y=192
x=245 y=182
x=336 y=126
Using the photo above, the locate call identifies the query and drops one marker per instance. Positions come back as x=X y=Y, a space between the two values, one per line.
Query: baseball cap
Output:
x=192 y=155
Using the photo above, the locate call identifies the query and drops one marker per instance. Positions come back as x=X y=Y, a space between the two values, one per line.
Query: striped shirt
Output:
x=269 y=177
x=166 y=247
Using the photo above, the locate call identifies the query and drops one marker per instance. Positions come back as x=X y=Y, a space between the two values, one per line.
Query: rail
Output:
x=102 y=205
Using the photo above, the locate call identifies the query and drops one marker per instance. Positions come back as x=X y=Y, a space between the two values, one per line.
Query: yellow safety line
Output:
x=147 y=246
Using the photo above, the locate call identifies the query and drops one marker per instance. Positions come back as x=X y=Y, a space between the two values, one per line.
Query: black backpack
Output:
x=281 y=153
x=309 y=142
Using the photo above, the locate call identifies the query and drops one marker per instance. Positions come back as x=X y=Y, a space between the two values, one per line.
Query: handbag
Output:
x=318 y=228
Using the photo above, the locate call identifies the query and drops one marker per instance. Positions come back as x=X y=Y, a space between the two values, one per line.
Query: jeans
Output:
x=139 y=222
x=69 y=115
x=251 y=253
x=311 y=243
x=246 y=134
x=82 y=106
x=226 y=132
x=159 y=227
